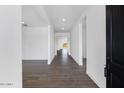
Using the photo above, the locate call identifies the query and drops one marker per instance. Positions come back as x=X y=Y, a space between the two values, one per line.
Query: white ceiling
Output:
x=69 y=12
x=34 y=16
x=40 y=15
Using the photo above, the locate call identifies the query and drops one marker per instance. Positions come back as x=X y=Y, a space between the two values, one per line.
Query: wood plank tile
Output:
x=64 y=72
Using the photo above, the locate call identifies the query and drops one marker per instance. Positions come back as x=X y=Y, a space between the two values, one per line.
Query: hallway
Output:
x=31 y=35
x=64 y=72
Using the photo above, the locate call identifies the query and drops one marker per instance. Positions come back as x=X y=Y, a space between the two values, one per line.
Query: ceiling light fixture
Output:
x=63 y=28
x=63 y=19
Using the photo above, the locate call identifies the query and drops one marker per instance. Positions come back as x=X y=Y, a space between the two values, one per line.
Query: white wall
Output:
x=96 y=44
x=34 y=15
x=10 y=46
x=38 y=37
x=84 y=40
x=76 y=43
x=35 y=43
x=51 y=44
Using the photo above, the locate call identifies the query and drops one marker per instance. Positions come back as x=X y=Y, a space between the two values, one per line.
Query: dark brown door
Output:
x=115 y=46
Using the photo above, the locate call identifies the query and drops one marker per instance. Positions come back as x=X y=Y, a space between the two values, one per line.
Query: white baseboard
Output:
x=79 y=63
x=93 y=79
x=48 y=63
x=51 y=60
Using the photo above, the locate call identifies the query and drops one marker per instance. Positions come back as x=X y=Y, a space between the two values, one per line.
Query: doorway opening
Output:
x=62 y=45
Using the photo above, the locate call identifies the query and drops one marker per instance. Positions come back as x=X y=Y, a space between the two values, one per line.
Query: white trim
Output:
x=93 y=79
x=49 y=61
x=79 y=63
x=80 y=45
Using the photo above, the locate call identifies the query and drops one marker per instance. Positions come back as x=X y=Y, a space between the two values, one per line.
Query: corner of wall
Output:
x=96 y=81
x=80 y=63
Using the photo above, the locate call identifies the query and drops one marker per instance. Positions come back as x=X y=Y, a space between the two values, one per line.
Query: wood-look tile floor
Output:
x=62 y=73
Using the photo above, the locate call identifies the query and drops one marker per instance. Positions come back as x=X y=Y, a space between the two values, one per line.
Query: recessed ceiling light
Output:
x=63 y=19
x=63 y=28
